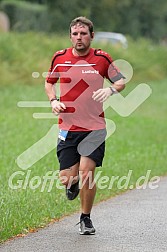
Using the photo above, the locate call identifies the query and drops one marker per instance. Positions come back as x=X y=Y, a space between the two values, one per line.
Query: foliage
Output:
x=33 y=52
x=132 y=17
x=25 y=16
x=62 y=12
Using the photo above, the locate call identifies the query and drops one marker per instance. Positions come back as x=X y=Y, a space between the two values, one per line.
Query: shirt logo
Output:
x=90 y=72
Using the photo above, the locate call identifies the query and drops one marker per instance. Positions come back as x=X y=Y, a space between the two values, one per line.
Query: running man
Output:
x=81 y=70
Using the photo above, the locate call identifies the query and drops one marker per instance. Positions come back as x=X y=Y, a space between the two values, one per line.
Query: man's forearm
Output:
x=119 y=85
x=50 y=90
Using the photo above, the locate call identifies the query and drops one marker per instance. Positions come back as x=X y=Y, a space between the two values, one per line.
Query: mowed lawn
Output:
x=139 y=145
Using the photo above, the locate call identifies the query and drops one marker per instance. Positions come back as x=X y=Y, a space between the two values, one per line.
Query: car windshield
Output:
x=111 y=37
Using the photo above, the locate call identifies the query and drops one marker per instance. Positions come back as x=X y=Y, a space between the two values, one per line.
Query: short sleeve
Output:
x=52 y=76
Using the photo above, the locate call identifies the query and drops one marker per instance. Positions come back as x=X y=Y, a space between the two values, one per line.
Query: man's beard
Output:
x=82 y=49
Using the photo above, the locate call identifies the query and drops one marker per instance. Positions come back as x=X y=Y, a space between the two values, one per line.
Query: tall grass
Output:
x=22 y=54
x=138 y=144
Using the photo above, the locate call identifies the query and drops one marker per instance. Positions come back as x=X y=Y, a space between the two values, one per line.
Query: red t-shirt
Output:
x=79 y=77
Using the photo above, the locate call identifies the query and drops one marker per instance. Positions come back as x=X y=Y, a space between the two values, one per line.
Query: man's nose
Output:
x=79 y=36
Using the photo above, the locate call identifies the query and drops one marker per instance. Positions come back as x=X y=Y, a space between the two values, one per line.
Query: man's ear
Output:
x=92 y=35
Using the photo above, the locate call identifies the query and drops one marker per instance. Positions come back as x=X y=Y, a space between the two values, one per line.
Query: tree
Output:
x=62 y=12
x=147 y=18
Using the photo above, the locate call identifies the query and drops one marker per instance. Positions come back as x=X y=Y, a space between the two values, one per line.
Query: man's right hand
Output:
x=57 y=107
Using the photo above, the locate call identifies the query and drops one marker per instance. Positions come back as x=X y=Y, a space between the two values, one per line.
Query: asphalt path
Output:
x=131 y=222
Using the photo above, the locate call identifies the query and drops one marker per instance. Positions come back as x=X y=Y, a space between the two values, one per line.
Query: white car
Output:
x=117 y=39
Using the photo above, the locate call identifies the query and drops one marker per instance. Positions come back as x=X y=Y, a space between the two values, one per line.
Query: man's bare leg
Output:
x=88 y=187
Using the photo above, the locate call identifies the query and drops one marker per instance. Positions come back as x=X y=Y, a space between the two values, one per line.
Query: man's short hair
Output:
x=82 y=20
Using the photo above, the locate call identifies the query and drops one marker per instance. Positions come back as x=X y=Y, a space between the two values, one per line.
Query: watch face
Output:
x=113 y=90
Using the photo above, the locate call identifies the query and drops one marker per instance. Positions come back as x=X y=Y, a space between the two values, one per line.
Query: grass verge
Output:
x=139 y=144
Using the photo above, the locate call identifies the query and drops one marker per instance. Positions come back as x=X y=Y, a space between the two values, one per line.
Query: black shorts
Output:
x=86 y=143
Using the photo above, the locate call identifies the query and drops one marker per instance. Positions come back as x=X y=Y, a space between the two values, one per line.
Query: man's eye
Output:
x=75 y=33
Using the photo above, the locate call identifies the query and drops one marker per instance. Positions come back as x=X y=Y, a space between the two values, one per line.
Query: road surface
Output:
x=135 y=221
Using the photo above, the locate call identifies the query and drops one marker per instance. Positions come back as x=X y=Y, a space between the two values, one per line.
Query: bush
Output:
x=26 y=16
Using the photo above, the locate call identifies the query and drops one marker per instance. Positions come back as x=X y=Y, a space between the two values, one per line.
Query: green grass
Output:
x=138 y=144
x=22 y=54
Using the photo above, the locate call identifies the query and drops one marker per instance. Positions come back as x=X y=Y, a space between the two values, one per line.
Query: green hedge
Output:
x=26 y=16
